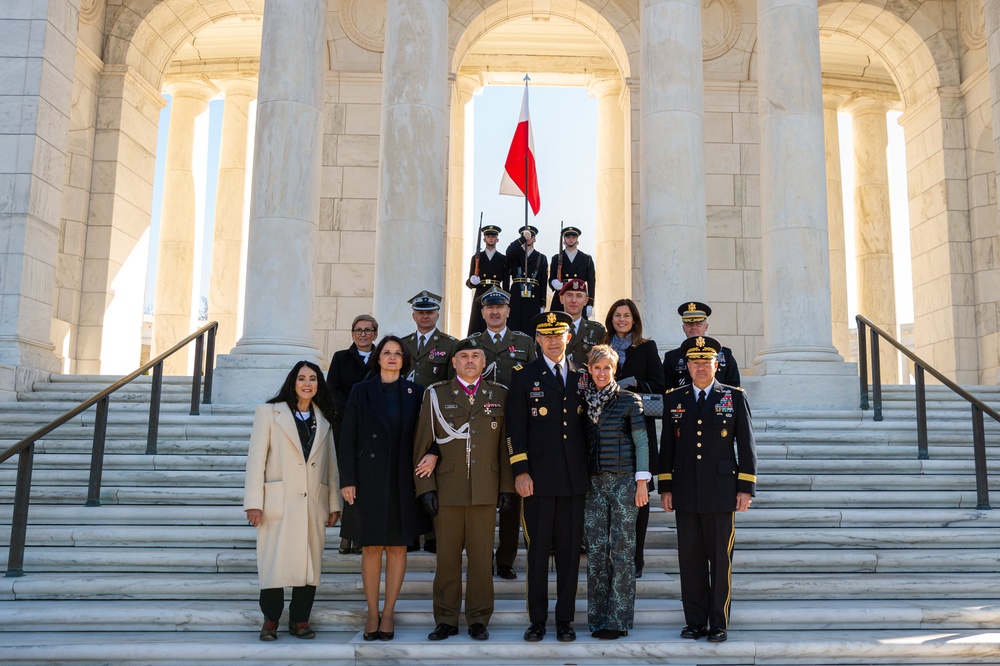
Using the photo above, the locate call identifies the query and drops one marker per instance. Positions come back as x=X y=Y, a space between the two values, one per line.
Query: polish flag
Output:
x=515 y=181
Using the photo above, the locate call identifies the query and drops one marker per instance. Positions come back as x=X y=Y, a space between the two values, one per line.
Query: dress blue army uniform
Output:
x=675 y=369
x=707 y=456
x=545 y=428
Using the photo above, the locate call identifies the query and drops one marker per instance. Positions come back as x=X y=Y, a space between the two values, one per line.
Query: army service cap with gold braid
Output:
x=576 y=284
x=700 y=348
x=495 y=296
x=426 y=300
x=692 y=312
x=551 y=323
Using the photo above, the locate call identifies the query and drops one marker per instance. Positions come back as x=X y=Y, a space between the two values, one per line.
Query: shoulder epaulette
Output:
x=475 y=335
x=740 y=389
x=440 y=383
x=668 y=391
x=490 y=382
x=517 y=333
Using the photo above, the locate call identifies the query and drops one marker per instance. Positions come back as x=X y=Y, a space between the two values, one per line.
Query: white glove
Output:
x=557 y=284
x=527 y=234
x=475 y=280
x=590 y=311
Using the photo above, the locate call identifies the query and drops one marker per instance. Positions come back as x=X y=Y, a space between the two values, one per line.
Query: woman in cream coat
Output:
x=292 y=494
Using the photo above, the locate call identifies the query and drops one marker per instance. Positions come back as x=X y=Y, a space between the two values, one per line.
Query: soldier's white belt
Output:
x=451 y=433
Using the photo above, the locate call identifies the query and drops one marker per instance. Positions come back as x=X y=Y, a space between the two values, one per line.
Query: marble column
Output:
x=835 y=225
x=227 y=243
x=873 y=224
x=284 y=208
x=462 y=227
x=991 y=12
x=673 y=244
x=173 y=311
x=413 y=155
x=798 y=363
x=613 y=242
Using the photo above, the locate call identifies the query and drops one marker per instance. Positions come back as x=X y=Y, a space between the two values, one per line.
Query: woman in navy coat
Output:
x=640 y=371
x=376 y=455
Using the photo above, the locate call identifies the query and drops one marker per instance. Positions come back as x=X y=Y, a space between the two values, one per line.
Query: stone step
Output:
x=240 y=557
x=648 y=646
x=418 y=585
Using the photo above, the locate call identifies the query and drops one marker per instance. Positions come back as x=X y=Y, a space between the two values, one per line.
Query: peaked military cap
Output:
x=491 y=229
x=551 y=323
x=700 y=347
x=495 y=296
x=692 y=312
x=571 y=230
x=576 y=284
x=532 y=228
x=426 y=300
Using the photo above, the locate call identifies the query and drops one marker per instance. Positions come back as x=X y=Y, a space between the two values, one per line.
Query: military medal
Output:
x=542 y=411
x=724 y=432
x=494 y=425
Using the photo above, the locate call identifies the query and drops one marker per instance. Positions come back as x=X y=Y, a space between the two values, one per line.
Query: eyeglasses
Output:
x=363 y=331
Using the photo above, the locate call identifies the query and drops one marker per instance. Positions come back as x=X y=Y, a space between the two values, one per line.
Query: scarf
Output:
x=620 y=345
x=597 y=399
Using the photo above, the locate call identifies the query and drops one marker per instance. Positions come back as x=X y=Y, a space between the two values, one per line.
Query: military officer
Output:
x=708 y=471
x=527 y=287
x=584 y=332
x=545 y=428
x=490 y=271
x=462 y=420
x=694 y=321
x=576 y=264
x=430 y=348
x=506 y=350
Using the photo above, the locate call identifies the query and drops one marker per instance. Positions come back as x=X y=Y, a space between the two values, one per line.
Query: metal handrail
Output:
x=25 y=449
x=920 y=366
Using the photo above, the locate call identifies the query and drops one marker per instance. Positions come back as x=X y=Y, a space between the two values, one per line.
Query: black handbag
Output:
x=652 y=405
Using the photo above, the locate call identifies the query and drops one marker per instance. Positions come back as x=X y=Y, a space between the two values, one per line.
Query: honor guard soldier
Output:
x=707 y=471
x=430 y=349
x=694 y=321
x=506 y=351
x=585 y=333
x=462 y=421
x=527 y=287
x=488 y=269
x=548 y=454
x=575 y=264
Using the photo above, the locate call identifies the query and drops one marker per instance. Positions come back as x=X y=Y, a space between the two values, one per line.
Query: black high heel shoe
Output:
x=374 y=635
x=387 y=635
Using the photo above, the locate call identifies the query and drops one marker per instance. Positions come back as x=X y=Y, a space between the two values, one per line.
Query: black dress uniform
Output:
x=492 y=273
x=707 y=456
x=581 y=267
x=545 y=428
x=527 y=292
x=675 y=363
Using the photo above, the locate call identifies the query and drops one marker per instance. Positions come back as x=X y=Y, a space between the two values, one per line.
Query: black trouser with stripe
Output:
x=510 y=528
x=553 y=524
x=705 y=555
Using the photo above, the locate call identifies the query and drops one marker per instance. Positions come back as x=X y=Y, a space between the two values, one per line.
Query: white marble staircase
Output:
x=855 y=552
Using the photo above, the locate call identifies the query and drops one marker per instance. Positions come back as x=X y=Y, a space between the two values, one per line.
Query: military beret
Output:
x=467 y=343
x=576 y=284
x=692 y=312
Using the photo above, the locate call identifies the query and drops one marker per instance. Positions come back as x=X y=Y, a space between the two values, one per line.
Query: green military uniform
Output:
x=588 y=334
x=469 y=432
x=433 y=362
x=514 y=350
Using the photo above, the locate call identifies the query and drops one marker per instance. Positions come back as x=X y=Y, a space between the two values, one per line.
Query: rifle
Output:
x=562 y=248
x=479 y=244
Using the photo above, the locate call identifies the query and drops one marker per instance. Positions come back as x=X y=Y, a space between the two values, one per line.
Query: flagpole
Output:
x=527 y=192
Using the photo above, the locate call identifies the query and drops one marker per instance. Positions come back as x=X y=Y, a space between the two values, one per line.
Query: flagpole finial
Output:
x=526 y=78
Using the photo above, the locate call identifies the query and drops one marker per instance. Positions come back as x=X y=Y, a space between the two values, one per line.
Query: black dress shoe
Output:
x=345 y=547
x=565 y=632
x=478 y=631
x=535 y=632
x=506 y=572
x=609 y=634
x=443 y=631
x=716 y=635
x=694 y=631
x=638 y=573
x=431 y=545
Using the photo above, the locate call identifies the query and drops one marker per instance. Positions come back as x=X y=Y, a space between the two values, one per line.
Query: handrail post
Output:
x=876 y=377
x=199 y=347
x=863 y=363
x=209 y=365
x=152 y=434
x=97 y=454
x=19 y=517
x=979 y=449
x=918 y=375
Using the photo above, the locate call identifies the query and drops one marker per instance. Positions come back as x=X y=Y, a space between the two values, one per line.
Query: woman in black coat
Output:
x=348 y=367
x=376 y=458
x=641 y=371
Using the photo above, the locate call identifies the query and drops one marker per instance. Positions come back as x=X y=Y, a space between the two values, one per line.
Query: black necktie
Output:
x=559 y=374
x=496 y=339
x=701 y=399
x=420 y=345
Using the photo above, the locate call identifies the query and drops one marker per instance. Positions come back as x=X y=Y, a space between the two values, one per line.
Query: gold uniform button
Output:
x=699 y=457
x=699 y=445
x=699 y=421
x=699 y=433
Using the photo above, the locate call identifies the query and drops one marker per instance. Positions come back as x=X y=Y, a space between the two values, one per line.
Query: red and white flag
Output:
x=519 y=175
